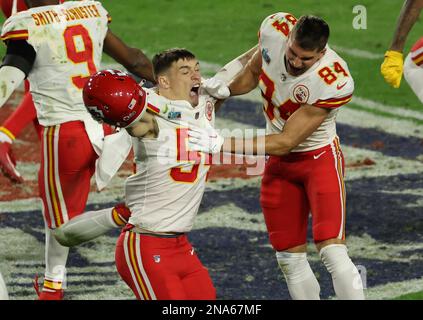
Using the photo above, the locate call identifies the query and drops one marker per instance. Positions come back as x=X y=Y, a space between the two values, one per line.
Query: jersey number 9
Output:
x=79 y=56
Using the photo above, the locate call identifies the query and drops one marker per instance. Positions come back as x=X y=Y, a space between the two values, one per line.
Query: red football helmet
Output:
x=114 y=97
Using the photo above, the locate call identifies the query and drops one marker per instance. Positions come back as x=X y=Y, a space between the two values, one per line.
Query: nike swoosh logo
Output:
x=319 y=155
x=339 y=87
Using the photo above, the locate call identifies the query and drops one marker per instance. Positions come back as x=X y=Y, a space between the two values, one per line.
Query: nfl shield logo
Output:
x=156 y=258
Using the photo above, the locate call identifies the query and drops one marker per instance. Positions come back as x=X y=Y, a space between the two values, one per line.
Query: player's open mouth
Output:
x=194 y=90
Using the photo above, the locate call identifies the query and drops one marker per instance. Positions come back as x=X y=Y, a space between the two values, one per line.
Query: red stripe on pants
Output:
x=76 y=164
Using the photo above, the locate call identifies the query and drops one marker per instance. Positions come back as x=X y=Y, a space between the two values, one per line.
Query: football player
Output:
x=57 y=47
x=393 y=64
x=303 y=83
x=153 y=254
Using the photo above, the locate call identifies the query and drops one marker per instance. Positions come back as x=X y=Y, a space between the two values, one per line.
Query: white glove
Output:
x=216 y=88
x=204 y=139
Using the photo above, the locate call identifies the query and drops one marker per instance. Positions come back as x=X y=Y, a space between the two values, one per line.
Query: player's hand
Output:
x=204 y=139
x=392 y=67
x=8 y=164
x=216 y=88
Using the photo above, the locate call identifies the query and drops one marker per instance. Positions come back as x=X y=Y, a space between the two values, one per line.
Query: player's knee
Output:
x=346 y=278
x=65 y=238
x=293 y=265
x=335 y=258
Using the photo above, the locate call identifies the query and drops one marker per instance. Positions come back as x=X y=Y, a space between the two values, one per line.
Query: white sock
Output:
x=56 y=256
x=85 y=227
x=5 y=138
x=3 y=289
x=301 y=281
x=345 y=276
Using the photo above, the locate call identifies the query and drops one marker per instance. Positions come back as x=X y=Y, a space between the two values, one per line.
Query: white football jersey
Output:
x=165 y=193
x=327 y=84
x=68 y=41
x=413 y=69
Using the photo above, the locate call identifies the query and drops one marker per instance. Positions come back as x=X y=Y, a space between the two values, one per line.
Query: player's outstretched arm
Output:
x=235 y=66
x=298 y=127
x=392 y=66
x=133 y=59
x=248 y=78
x=247 y=67
x=228 y=73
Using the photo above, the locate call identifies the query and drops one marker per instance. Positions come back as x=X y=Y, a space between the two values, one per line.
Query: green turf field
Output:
x=411 y=296
x=220 y=30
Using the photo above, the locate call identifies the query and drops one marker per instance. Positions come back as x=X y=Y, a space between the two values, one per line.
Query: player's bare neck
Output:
x=167 y=93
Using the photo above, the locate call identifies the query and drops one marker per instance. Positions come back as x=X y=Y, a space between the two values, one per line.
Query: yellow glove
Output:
x=392 y=68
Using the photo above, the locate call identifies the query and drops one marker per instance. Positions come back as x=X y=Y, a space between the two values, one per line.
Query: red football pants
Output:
x=6 y=7
x=67 y=164
x=162 y=268
x=297 y=184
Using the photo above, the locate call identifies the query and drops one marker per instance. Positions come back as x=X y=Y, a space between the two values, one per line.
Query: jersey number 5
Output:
x=77 y=55
x=182 y=174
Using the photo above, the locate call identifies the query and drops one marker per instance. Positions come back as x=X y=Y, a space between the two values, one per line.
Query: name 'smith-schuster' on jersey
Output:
x=68 y=41
x=165 y=193
x=327 y=84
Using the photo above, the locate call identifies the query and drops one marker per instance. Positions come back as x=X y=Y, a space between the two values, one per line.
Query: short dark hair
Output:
x=311 y=33
x=163 y=60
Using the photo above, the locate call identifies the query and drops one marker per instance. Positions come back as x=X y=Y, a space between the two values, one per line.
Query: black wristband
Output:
x=20 y=54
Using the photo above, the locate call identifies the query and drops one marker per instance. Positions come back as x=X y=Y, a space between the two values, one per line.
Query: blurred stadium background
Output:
x=381 y=131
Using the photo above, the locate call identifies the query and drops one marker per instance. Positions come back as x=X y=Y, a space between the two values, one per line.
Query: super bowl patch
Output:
x=174 y=115
x=265 y=55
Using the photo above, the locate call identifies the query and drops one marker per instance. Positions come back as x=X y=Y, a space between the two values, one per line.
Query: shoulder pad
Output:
x=16 y=27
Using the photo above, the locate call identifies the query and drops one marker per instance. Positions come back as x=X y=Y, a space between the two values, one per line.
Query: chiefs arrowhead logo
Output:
x=96 y=113
x=301 y=93
x=209 y=110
